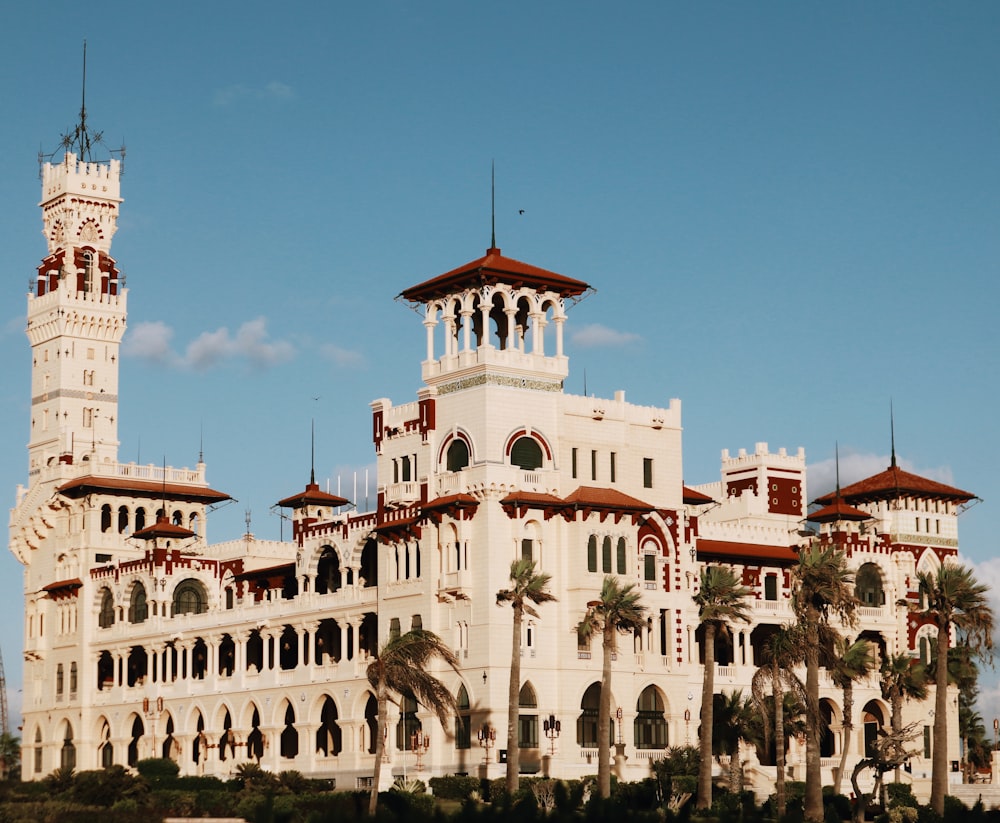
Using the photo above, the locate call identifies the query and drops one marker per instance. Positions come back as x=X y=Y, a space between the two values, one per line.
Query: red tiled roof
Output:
x=696 y=498
x=744 y=552
x=312 y=495
x=494 y=268
x=163 y=528
x=531 y=499
x=894 y=483
x=451 y=500
x=74 y=583
x=89 y=484
x=837 y=510
x=597 y=498
x=283 y=569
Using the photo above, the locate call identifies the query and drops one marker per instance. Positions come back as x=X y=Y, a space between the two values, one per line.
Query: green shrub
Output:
x=158 y=769
x=454 y=786
x=900 y=794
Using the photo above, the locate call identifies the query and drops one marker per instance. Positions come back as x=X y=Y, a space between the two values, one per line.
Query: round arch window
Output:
x=526 y=454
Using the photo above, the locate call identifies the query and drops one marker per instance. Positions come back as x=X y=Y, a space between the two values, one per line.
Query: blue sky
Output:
x=790 y=212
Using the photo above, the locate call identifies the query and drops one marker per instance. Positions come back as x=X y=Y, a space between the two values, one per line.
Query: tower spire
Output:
x=312 y=454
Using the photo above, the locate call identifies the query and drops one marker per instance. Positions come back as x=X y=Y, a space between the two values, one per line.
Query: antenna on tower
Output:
x=493 y=204
x=4 y=718
x=82 y=140
x=312 y=454
x=892 y=435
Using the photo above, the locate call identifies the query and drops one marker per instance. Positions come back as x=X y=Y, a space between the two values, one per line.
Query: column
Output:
x=466 y=329
x=430 y=326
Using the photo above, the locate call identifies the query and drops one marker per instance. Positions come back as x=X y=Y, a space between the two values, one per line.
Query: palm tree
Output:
x=822 y=586
x=618 y=610
x=721 y=599
x=527 y=588
x=782 y=650
x=951 y=599
x=400 y=667
x=903 y=678
x=851 y=661
x=733 y=724
x=10 y=757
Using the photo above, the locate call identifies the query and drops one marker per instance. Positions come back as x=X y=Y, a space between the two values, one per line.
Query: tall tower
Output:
x=76 y=317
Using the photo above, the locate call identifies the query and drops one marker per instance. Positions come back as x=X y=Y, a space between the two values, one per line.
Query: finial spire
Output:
x=836 y=451
x=312 y=455
x=493 y=204
x=892 y=435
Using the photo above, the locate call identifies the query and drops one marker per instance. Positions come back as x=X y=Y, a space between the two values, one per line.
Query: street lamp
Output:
x=487 y=739
x=420 y=743
x=552 y=728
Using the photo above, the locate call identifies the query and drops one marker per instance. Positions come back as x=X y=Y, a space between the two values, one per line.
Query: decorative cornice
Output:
x=74 y=394
x=496 y=379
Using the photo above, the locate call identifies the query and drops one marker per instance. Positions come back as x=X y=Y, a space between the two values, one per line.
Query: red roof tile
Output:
x=163 y=528
x=597 y=498
x=124 y=486
x=837 y=510
x=74 y=583
x=494 y=268
x=696 y=498
x=894 y=483
x=746 y=552
x=531 y=499
x=283 y=569
x=313 y=496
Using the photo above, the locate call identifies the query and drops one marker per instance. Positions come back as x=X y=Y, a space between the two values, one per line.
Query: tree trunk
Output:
x=813 y=801
x=514 y=706
x=897 y=723
x=705 y=736
x=848 y=728
x=779 y=741
x=735 y=770
x=381 y=726
x=939 y=752
x=604 y=718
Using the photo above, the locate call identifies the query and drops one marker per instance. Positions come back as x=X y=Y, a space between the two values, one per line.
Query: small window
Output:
x=647 y=472
x=771 y=587
x=606 y=555
x=394 y=629
x=649 y=567
x=573 y=462
x=527 y=550
x=621 y=558
x=592 y=554
x=593 y=465
x=612 y=466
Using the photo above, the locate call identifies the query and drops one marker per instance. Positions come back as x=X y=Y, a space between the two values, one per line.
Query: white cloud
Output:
x=15 y=325
x=150 y=341
x=595 y=335
x=341 y=357
x=250 y=343
x=855 y=466
x=269 y=91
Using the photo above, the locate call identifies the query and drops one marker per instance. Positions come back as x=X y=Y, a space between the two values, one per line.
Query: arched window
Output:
x=67 y=755
x=169 y=752
x=621 y=558
x=122 y=520
x=408 y=723
x=369 y=564
x=329 y=739
x=463 y=720
x=328 y=571
x=106 y=750
x=255 y=740
x=592 y=553
x=868 y=585
x=606 y=555
x=189 y=598
x=106 y=616
x=289 y=744
x=59 y=682
x=527 y=721
x=288 y=657
x=227 y=656
x=133 y=745
x=371 y=721
x=199 y=659
x=105 y=518
x=38 y=751
x=140 y=519
x=105 y=671
x=458 y=455
x=586 y=723
x=227 y=741
x=138 y=609
x=72 y=679
x=526 y=454
x=650 y=721
x=255 y=651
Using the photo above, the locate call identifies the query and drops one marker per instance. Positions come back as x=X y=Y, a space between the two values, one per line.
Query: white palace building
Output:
x=142 y=639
